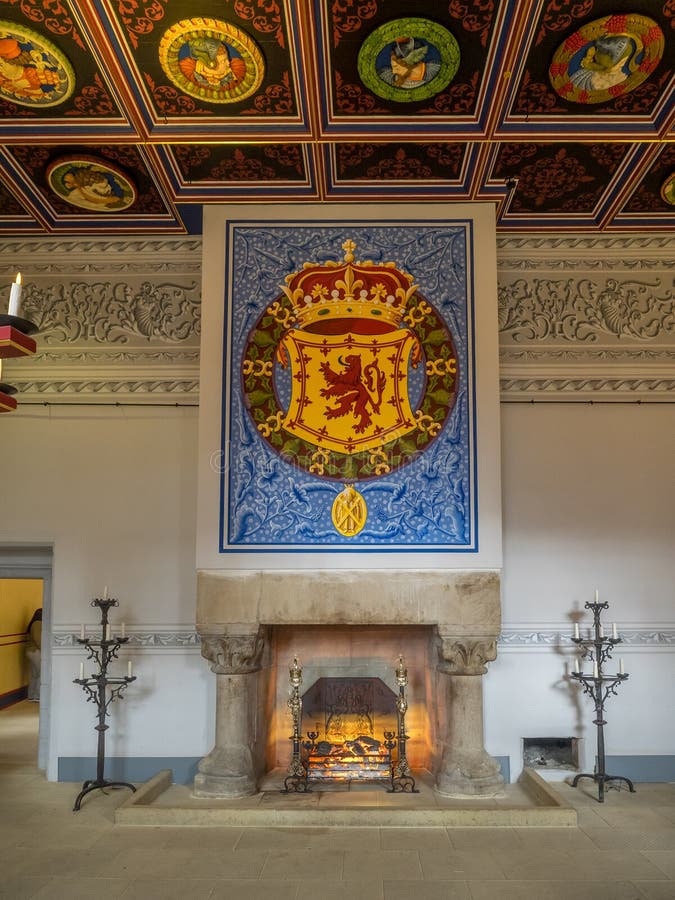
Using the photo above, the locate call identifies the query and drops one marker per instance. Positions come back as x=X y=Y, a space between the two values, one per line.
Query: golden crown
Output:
x=349 y=290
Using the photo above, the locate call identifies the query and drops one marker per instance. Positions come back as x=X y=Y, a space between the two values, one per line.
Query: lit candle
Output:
x=576 y=631
x=595 y=669
x=124 y=630
x=81 y=632
x=596 y=595
x=81 y=671
x=130 y=669
x=615 y=635
x=15 y=296
x=621 y=669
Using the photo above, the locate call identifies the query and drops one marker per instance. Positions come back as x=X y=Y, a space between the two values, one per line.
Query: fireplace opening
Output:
x=345 y=720
x=551 y=753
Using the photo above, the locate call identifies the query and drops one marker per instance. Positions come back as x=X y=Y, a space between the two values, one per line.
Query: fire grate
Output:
x=350 y=716
x=551 y=753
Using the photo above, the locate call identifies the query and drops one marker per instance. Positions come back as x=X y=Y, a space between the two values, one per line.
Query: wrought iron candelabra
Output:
x=599 y=686
x=401 y=776
x=102 y=689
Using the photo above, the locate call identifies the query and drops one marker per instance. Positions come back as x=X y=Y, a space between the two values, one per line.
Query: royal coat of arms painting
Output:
x=348 y=387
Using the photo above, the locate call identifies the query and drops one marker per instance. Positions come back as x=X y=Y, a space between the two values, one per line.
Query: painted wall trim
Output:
x=652 y=635
x=128 y=768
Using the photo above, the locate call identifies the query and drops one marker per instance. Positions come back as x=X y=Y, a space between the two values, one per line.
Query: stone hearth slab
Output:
x=531 y=802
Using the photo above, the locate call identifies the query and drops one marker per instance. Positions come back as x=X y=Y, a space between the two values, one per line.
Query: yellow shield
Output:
x=350 y=391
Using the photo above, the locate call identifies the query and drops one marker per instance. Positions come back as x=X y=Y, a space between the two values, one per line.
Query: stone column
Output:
x=228 y=770
x=466 y=769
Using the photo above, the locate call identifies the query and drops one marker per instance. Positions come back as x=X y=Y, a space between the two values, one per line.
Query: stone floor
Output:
x=622 y=850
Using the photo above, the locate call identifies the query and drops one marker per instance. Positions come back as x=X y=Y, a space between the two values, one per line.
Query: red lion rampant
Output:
x=357 y=390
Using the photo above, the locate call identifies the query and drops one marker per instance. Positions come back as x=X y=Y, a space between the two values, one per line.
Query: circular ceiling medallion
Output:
x=668 y=190
x=211 y=60
x=91 y=184
x=606 y=58
x=408 y=59
x=33 y=72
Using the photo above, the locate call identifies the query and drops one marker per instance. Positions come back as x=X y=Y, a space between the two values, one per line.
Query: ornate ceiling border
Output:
x=581 y=318
x=587 y=318
x=118 y=320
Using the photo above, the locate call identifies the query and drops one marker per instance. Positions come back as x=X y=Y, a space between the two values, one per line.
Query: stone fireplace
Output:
x=349 y=625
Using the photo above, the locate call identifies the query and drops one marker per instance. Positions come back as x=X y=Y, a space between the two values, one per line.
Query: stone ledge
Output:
x=522 y=805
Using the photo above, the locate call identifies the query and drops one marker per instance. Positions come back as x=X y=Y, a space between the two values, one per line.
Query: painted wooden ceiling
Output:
x=559 y=112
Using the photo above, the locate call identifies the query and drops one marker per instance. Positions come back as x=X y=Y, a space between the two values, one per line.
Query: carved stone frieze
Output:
x=114 y=311
x=585 y=310
x=465 y=656
x=580 y=317
x=234 y=654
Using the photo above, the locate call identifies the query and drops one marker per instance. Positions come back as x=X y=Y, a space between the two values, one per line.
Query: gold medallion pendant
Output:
x=349 y=511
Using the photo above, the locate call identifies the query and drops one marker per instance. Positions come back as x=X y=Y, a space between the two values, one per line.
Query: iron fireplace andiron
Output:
x=308 y=756
x=102 y=689
x=599 y=686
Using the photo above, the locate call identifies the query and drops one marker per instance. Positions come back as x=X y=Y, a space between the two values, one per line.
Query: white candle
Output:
x=602 y=631
x=15 y=296
x=596 y=595
x=621 y=670
x=124 y=630
x=615 y=635
x=107 y=632
x=595 y=670
x=576 y=631
x=105 y=592
x=577 y=663
x=130 y=669
x=81 y=671
x=81 y=632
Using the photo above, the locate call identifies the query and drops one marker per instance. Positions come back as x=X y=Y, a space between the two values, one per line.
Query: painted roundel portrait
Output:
x=211 y=60
x=33 y=71
x=408 y=59
x=350 y=398
x=91 y=184
x=607 y=58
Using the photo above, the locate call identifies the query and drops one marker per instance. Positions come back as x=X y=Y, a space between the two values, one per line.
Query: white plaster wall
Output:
x=588 y=502
x=114 y=491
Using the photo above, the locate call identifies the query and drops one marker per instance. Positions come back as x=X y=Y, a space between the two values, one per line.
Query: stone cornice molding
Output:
x=630 y=249
x=234 y=654
x=465 y=656
x=587 y=318
x=581 y=317
x=39 y=256
x=118 y=319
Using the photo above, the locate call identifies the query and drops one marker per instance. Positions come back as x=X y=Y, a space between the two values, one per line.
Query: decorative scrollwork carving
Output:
x=585 y=309
x=114 y=312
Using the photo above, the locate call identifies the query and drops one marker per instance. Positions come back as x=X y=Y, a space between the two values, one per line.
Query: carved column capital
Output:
x=234 y=654
x=465 y=655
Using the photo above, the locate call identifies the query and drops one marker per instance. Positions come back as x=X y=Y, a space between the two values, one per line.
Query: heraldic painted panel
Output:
x=348 y=420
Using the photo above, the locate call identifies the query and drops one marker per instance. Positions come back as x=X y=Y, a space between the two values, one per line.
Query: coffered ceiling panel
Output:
x=119 y=116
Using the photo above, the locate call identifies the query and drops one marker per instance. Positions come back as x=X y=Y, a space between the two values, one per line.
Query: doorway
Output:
x=25 y=581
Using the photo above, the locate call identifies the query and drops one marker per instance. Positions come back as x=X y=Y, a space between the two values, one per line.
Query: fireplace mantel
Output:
x=458 y=602
x=238 y=610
